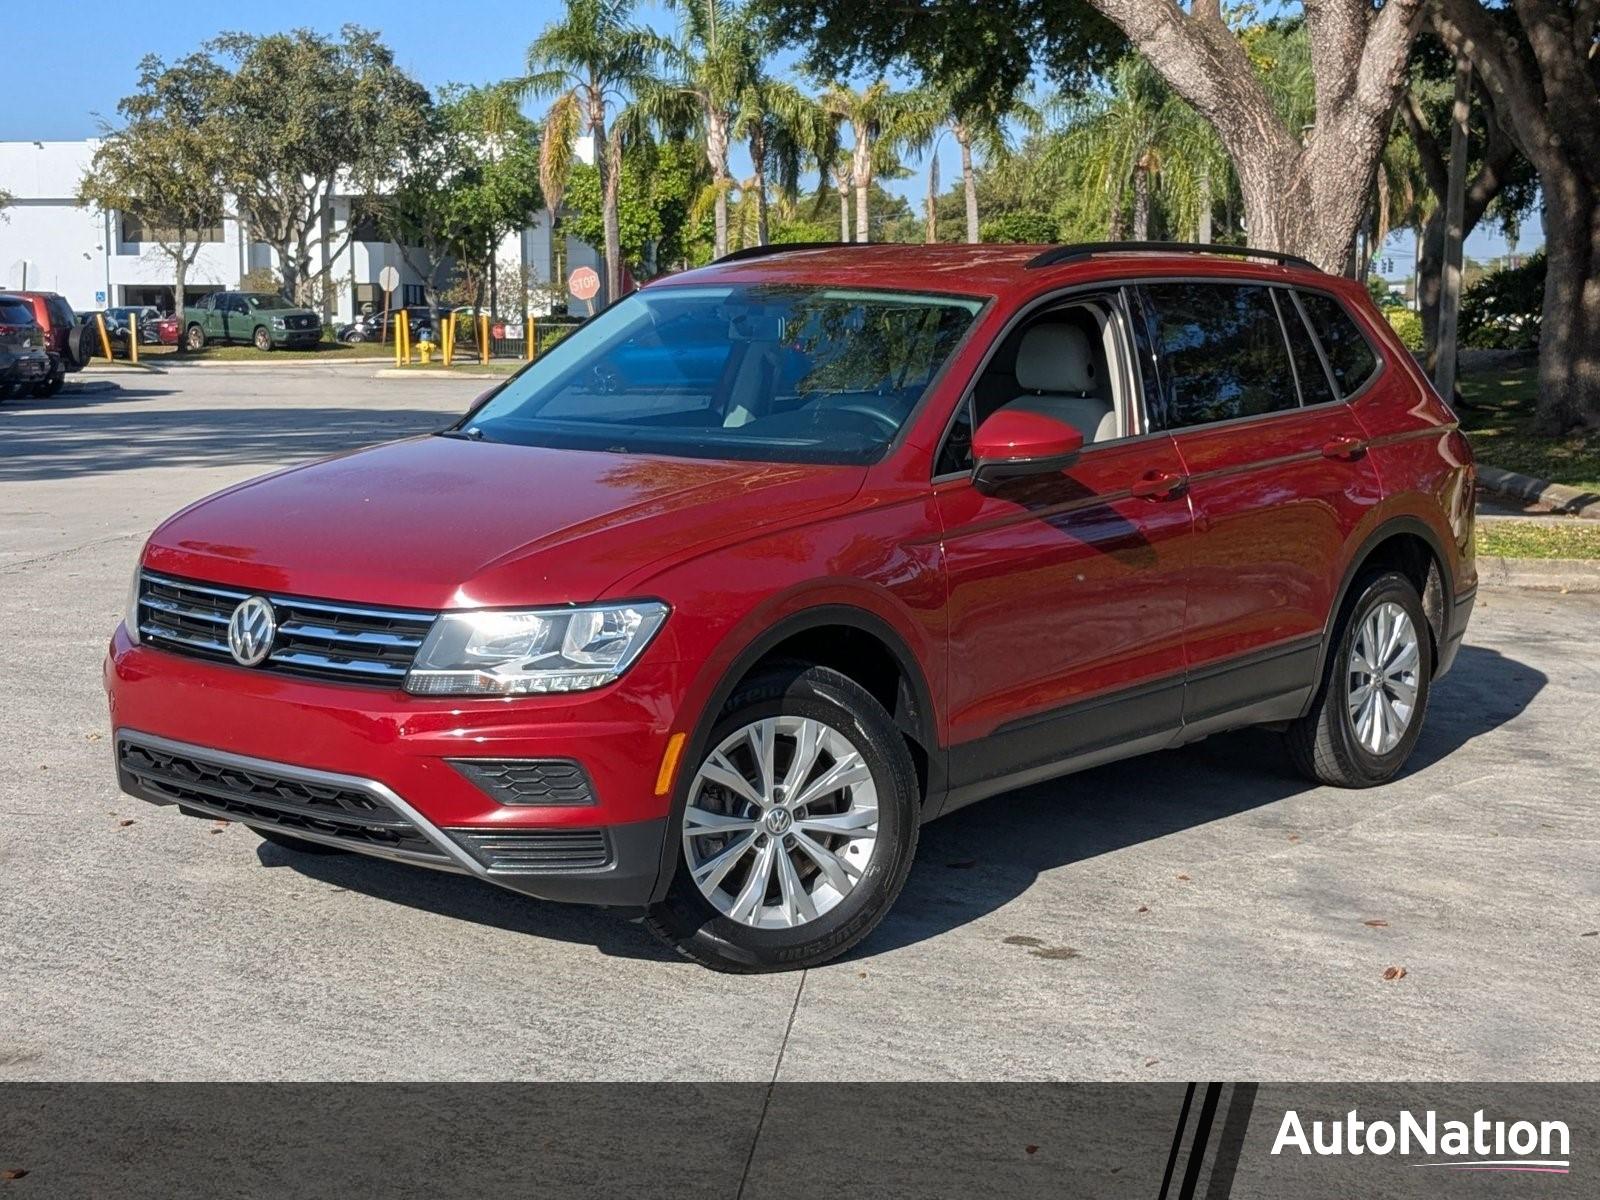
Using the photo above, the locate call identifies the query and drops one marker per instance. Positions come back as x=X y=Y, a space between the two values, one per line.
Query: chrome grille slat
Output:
x=325 y=639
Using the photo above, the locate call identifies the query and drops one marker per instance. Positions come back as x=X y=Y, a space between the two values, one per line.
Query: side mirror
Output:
x=1015 y=441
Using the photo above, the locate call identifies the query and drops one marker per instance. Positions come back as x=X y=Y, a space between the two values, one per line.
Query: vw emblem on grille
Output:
x=251 y=630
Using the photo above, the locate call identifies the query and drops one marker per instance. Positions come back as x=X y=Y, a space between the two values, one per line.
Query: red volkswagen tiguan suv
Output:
x=706 y=611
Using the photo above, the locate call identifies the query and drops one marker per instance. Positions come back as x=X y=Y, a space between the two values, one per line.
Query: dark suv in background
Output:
x=69 y=344
x=25 y=366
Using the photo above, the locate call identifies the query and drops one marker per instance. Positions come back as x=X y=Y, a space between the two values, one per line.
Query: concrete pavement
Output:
x=1199 y=913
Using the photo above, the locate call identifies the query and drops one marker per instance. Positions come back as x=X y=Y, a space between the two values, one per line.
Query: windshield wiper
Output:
x=463 y=435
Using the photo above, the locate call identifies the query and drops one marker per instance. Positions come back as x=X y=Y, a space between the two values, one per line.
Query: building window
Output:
x=368 y=296
x=411 y=293
x=135 y=229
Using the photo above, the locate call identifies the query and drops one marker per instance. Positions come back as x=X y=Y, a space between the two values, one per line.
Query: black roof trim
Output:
x=1062 y=254
x=784 y=247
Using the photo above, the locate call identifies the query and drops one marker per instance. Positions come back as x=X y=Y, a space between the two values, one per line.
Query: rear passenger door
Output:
x=1278 y=477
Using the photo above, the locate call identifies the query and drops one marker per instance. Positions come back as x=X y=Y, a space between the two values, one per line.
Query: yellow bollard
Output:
x=133 y=338
x=399 y=339
x=483 y=338
x=405 y=333
x=531 y=339
x=447 y=344
x=105 y=338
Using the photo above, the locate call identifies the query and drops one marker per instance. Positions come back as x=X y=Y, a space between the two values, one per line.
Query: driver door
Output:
x=1066 y=597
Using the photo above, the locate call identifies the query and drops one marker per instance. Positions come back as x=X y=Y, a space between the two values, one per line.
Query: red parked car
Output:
x=711 y=645
x=69 y=344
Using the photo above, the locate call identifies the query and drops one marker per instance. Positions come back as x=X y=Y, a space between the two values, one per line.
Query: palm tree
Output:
x=784 y=129
x=981 y=127
x=715 y=60
x=1139 y=136
x=590 y=61
x=881 y=122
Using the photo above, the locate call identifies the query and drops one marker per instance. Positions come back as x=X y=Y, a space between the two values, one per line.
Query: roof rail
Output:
x=782 y=248
x=1061 y=254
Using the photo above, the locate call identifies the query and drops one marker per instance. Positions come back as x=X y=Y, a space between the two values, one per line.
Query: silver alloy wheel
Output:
x=781 y=822
x=1384 y=661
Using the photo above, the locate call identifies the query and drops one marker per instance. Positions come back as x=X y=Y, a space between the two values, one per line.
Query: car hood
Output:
x=448 y=523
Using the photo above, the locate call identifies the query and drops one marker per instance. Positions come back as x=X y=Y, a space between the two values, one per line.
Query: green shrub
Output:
x=1408 y=325
x=1501 y=311
x=1022 y=227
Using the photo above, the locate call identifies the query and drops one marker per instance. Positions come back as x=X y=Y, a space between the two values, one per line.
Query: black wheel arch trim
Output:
x=820 y=616
x=1390 y=527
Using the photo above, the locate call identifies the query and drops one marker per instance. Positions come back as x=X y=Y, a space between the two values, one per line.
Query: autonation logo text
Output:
x=1476 y=1145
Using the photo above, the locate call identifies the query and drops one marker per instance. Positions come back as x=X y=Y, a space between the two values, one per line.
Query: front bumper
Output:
x=204 y=736
x=297 y=339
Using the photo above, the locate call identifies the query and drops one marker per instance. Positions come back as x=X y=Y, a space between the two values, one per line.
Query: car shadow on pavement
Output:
x=984 y=856
x=95 y=434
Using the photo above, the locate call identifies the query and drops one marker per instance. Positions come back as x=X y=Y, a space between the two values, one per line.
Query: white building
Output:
x=49 y=242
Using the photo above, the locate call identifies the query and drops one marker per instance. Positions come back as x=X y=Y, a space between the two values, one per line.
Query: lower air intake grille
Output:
x=264 y=798
x=528 y=780
x=537 y=849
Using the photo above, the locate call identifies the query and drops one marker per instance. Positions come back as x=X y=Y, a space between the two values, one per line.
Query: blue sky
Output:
x=56 y=95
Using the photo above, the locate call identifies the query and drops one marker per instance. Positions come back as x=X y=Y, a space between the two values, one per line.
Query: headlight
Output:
x=130 y=617
x=523 y=653
x=277 y=323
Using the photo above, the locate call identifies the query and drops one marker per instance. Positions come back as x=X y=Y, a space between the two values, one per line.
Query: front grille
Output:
x=302 y=323
x=318 y=638
x=536 y=849
x=528 y=780
x=266 y=798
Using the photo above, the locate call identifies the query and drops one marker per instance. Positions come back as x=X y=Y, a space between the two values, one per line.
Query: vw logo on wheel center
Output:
x=251 y=630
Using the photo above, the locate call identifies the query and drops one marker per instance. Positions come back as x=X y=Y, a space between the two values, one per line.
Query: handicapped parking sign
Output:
x=99 y=297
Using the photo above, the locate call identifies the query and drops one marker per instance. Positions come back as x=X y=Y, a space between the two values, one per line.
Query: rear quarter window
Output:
x=1350 y=356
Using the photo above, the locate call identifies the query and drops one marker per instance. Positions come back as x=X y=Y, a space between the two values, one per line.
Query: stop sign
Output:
x=584 y=283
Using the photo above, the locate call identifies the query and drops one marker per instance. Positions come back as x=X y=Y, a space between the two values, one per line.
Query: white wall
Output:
x=78 y=251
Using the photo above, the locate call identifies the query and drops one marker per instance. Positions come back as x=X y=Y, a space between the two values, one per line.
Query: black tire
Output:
x=686 y=920
x=298 y=845
x=194 y=338
x=81 y=345
x=1324 y=743
x=262 y=339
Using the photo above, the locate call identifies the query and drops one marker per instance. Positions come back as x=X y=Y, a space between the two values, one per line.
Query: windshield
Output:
x=756 y=373
x=266 y=300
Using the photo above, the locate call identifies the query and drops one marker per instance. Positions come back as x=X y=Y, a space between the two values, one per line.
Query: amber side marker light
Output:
x=669 y=763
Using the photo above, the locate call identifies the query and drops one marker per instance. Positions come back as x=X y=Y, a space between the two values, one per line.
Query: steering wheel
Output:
x=890 y=423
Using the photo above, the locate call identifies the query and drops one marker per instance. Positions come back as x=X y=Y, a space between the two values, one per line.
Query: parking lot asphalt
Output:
x=1200 y=913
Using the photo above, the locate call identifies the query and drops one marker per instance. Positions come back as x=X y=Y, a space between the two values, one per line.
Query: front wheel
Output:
x=1368 y=713
x=799 y=830
x=262 y=339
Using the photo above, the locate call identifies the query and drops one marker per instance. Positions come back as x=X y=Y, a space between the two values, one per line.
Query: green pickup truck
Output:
x=270 y=322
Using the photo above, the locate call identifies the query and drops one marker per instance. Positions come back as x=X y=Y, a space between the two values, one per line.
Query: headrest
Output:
x=1056 y=358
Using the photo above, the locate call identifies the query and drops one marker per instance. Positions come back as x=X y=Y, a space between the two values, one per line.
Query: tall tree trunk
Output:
x=1141 y=202
x=1544 y=89
x=1569 y=339
x=861 y=170
x=1455 y=206
x=931 y=233
x=1203 y=232
x=844 y=210
x=611 y=186
x=717 y=156
x=179 y=287
x=969 y=182
x=758 y=160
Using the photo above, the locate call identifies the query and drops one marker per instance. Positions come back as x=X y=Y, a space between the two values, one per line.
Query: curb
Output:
x=1557 y=496
x=438 y=373
x=104 y=368
x=81 y=386
x=1539 y=574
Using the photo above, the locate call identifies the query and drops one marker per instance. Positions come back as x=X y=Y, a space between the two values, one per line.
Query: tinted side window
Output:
x=1349 y=354
x=1222 y=353
x=1315 y=387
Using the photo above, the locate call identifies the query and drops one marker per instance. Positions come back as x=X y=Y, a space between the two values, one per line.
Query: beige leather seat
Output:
x=1056 y=363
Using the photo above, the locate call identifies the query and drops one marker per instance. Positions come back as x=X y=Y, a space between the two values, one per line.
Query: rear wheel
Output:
x=195 y=338
x=53 y=384
x=1368 y=713
x=799 y=830
x=298 y=845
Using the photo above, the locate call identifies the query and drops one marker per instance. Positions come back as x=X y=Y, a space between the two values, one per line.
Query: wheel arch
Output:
x=846 y=631
x=1411 y=546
